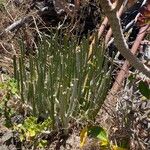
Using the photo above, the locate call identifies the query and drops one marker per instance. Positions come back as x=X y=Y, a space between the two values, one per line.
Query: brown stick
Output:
x=100 y=32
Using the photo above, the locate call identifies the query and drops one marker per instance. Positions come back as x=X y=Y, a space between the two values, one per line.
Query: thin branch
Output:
x=109 y=33
x=19 y=23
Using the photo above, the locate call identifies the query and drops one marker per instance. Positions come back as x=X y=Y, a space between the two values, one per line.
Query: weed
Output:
x=9 y=90
x=30 y=129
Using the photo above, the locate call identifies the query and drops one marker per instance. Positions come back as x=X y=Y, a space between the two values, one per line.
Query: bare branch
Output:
x=120 y=40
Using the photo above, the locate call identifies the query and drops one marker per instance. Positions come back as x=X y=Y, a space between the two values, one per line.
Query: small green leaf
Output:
x=144 y=89
x=42 y=143
x=32 y=133
x=100 y=133
x=21 y=137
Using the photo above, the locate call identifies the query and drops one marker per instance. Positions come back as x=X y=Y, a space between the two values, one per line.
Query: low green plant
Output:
x=30 y=130
x=63 y=80
x=9 y=90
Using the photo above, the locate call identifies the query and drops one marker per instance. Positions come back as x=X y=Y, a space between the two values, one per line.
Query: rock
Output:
x=6 y=137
